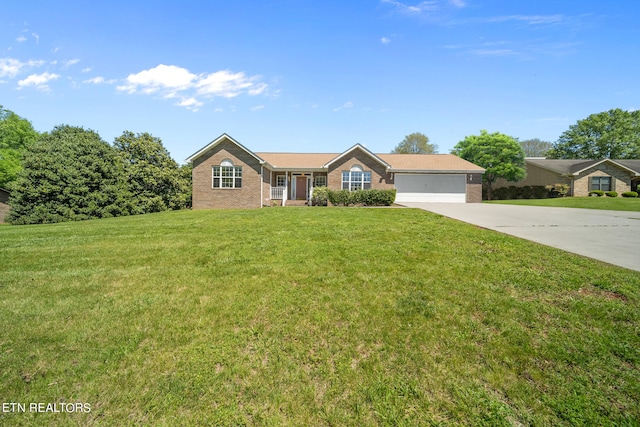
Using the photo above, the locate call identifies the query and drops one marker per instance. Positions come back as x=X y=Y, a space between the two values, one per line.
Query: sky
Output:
x=318 y=76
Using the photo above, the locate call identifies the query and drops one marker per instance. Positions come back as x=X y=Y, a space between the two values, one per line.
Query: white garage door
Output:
x=431 y=188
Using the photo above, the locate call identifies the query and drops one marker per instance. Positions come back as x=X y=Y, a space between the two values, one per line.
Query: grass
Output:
x=312 y=316
x=608 y=203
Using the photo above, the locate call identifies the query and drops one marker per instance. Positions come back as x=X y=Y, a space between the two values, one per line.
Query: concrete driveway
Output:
x=609 y=236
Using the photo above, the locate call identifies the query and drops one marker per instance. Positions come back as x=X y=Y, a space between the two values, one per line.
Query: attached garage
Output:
x=449 y=188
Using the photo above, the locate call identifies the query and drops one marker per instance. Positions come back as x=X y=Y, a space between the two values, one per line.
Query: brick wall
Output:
x=207 y=197
x=621 y=180
x=474 y=188
x=380 y=179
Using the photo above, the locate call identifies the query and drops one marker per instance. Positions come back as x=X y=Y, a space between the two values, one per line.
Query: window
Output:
x=280 y=180
x=320 y=181
x=227 y=176
x=601 y=183
x=356 y=179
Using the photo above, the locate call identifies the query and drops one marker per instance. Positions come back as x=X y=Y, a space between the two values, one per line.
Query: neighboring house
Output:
x=4 y=203
x=582 y=176
x=226 y=174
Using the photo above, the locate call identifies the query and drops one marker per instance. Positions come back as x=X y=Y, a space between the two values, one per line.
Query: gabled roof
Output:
x=578 y=171
x=634 y=165
x=429 y=162
x=356 y=147
x=217 y=141
x=577 y=166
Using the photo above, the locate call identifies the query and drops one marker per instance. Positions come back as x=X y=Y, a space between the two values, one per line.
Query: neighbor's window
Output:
x=601 y=183
x=356 y=179
x=280 y=180
x=227 y=176
x=320 y=181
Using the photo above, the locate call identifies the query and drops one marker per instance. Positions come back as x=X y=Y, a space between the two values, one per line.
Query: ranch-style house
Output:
x=227 y=174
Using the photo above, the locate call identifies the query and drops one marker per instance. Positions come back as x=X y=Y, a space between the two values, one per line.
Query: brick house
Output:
x=227 y=174
x=582 y=176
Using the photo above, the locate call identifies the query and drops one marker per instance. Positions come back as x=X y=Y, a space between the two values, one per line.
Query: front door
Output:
x=301 y=188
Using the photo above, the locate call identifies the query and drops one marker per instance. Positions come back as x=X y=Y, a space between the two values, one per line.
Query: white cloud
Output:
x=385 y=40
x=420 y=8
x=458 y=3
x=96 y=80
x=257 y=108
x=347 y=104
x=70 y=62
x=10 y=67
x=38 y=80
x=86 y=70
x=229 y=85
x=529 y=19
x=191 y=104
x=99 y=80
x=162 y=77
x=494 y=52
x=36 y=36
x=21 y=39
x=170 y=81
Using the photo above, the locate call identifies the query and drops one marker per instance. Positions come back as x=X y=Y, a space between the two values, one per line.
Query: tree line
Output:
x=71 y=173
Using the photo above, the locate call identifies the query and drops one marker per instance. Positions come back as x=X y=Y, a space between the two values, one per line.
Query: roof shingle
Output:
x=404 y=162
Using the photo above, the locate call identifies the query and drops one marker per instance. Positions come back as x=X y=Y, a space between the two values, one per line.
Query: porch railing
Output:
x=277 y=193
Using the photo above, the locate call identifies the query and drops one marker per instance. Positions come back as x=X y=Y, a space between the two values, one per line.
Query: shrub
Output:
x=630 y=194
x=376 y=197
x=320 y=196
x=501 y=193
x=598 y=193
x=540 y=192
x=526 y=192
x=339 y=197
x=558 y=190
x=514 y=192
x=370 y=197
x=611 y=194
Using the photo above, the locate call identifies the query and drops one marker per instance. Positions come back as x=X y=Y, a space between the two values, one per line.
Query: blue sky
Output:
x=318 y=76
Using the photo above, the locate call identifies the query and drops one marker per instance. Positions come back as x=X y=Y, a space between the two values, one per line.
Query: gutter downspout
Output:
x=261 y=186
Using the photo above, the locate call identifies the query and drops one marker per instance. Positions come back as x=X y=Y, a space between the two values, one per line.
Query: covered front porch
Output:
x=295 y=187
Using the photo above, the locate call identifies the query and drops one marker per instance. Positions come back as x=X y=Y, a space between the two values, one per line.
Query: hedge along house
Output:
x=581 y=175
x=227 y=174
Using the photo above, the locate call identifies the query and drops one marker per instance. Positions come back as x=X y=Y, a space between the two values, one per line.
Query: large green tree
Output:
x=415 y=143
x=68 y=174
x=499 y=154
x=535 y=147
x=16 y=134
x=613 y=134
x=156 y=182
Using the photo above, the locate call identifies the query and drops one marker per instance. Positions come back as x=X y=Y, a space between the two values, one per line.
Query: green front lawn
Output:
x=312 y=316
x=609 y=203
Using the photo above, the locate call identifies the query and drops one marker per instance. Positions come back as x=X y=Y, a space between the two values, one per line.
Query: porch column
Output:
x=309 y=196
x=285 y=193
